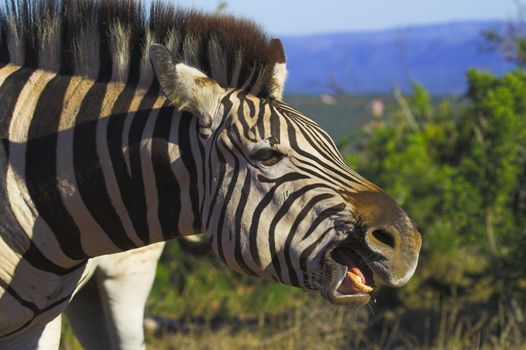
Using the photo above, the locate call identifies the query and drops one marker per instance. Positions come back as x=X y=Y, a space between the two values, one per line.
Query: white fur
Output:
x=187 y=88
x=280 y=76
x=50 y=338
x=203 y=99
x=120 y=47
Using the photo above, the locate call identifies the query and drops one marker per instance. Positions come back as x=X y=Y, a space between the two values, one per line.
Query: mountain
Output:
x=436 y=56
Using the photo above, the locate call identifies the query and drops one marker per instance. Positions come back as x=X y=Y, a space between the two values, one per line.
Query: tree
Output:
x=491 y=151
x=511 y=41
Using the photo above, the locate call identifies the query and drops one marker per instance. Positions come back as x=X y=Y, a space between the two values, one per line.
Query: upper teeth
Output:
x=358 y=283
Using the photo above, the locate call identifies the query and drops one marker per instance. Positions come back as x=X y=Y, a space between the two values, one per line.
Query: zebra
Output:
x=124 y=126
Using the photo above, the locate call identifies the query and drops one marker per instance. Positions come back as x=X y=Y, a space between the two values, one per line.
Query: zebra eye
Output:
x=267 y=156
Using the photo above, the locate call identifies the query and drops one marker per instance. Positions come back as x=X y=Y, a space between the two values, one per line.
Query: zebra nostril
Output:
x=384 y=237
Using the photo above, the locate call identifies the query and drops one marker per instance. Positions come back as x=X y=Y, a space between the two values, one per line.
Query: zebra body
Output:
x=102 y=154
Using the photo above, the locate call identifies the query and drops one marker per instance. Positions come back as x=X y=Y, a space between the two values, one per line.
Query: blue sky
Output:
x=285 y=17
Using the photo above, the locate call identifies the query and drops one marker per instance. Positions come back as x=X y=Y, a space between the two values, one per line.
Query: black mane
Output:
x=97 y=37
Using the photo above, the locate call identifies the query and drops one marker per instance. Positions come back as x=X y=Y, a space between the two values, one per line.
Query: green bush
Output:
x=462 y=179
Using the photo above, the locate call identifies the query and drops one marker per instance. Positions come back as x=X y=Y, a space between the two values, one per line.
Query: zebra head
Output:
x=278 y=201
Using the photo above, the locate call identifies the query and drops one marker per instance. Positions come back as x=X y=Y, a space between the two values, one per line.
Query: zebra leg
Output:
x=125 y=280
x=50 y=338
x=43 y=337
x=86 y=315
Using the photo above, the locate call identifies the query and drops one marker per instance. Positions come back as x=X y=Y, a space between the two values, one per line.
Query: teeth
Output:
x=358 y=283
x=359 y=278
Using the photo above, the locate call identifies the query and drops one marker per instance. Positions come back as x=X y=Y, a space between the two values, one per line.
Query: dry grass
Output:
x=308 y=328
x=321 y=326
x=317 y=325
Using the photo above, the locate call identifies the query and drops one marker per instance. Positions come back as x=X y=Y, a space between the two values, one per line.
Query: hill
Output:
x=436 y=56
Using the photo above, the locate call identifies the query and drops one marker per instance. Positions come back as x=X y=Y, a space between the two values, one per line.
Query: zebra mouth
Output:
x=350 y=278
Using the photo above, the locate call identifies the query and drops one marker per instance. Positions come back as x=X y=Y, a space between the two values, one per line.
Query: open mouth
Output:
x=351 y=279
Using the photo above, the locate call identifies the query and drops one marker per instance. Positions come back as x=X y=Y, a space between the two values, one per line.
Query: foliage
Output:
x=462 y=179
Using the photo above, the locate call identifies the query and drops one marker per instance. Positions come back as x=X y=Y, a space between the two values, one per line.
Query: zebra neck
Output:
x=96 y=167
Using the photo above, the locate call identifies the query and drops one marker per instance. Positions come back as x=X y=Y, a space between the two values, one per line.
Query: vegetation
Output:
x=462 y=178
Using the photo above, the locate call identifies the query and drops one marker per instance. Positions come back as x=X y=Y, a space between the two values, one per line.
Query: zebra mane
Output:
x=108 y=40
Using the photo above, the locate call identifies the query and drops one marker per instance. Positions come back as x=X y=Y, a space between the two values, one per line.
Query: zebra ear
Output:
x=280 y=68
x=186 y=87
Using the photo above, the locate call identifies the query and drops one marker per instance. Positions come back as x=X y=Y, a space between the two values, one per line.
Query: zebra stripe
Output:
x=105 y=203
x=66 y=167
